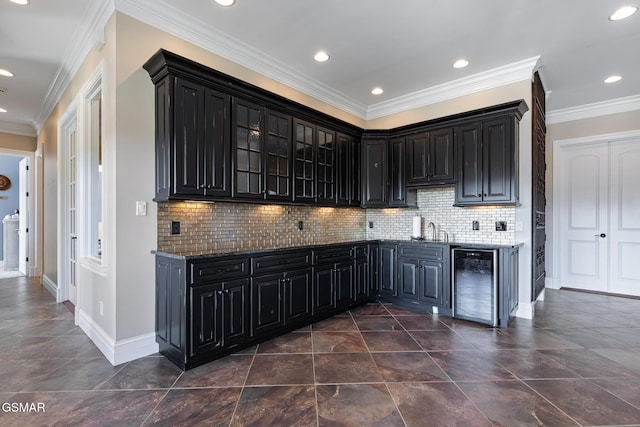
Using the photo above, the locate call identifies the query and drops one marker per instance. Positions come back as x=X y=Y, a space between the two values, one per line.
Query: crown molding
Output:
x=171 y=19
x=89 y=36
x=586 y=111
x=23 y=129
x=496 y=77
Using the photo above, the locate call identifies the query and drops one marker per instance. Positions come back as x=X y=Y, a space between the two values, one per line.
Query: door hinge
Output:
x=27 y=230
x=27 y=194
x=27 y=259
x=27 y=167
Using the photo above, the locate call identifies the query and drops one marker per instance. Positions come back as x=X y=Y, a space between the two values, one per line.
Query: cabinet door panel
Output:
x=441 y=168
x=417 y=152
x=326 y=166
x=323 y=289
x=278 y=157
x=215 y=167
x=236 y=311
x=469 y=164
x=361 y=280
x=267 y=303
x=374 y=173
x=432 y=282
x=189 y=153
x=298 y=296
x=248 y=128
x=344 y=284
x=206 y=314
x=387 y=270
x=397 y=174
x=304 y=161
x=497 y=161
x=408 y=278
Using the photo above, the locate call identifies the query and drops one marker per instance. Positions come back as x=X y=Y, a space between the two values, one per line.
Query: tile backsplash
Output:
x=221 y=227
x=436 y=205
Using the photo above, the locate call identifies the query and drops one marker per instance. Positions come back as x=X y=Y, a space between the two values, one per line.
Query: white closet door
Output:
x=624 y=236
x=584 y=217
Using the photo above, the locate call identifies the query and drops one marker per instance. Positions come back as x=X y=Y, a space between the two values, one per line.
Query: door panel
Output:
x=298 y=296
x=624 y=232
x=584 y=216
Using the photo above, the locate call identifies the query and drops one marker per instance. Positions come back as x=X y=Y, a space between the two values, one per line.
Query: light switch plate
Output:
x=141 y=208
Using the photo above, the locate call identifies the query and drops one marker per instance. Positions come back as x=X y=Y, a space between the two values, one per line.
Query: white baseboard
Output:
x=551 y=283
x=526 y=309
x=542 y=295
x=118 y=352
x=52 y=287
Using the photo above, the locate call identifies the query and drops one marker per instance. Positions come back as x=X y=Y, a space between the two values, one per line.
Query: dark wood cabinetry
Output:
x=487 y=162
x=397 y=173
x=423 y=274
x=192 y=140
x=326 y=166
x=348 y=170
x=387 y=267
x=248 y=150
x=278 y=157
x=430 y=158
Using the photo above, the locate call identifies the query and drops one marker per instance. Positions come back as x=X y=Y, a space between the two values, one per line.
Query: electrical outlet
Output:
x=370 y=224
x=475 y=225
x=175 y=227
x=300 y=225
x=501 y=225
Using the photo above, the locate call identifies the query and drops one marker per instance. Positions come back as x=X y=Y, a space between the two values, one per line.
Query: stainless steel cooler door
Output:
x=475 y=285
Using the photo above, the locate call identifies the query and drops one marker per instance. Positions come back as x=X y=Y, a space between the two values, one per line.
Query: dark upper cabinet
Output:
x=304 y=161
x=326 y=166
x=192 y=141
x=430 y=158
x=348 y=170
x=279 y=179
x=397 y=173
x=248 y=150
x=374 y=173
x=487 y=162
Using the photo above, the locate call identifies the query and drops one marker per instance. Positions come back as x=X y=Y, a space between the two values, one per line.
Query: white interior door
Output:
x=71 y=208
x=624 y=231
x=599 y=216
x=23 y=228
x=583 y=217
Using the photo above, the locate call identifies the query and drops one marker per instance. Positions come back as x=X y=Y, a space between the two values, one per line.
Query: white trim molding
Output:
x=52 y=287
x=586 y=111
x=490 y=79
x=526 y=309
x=23 y=129
x=118 y=352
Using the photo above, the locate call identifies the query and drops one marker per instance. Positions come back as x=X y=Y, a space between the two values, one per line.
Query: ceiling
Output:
x=406 y=47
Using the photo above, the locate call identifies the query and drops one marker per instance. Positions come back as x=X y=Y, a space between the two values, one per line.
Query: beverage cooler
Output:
x=475 y=285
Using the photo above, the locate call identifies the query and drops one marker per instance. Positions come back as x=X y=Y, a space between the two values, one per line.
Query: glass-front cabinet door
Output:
x=278 y=157
x=304 y=161
x=248 y=129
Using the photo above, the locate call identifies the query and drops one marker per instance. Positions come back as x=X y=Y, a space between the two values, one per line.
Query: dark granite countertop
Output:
x=310 y=247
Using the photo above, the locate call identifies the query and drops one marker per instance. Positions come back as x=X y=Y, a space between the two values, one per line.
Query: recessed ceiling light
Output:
x=321 y=56
x=5 y=73
x=377 y=91
x=2 y=110
x=225 y=2
x=460 y=63
x=623 y=12
x=612 y=79
x=21 y=2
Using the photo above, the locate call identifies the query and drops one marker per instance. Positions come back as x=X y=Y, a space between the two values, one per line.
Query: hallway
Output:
x=576 y=364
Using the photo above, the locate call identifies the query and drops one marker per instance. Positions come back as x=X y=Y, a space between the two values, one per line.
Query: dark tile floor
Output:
x=577 y=363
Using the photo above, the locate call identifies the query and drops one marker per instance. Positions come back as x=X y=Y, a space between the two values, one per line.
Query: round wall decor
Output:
x=5 y=182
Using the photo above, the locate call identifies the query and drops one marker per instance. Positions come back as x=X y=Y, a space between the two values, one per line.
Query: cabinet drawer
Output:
x=207 y=270
x=329 y=255
x=280 y=262
x=433 y=252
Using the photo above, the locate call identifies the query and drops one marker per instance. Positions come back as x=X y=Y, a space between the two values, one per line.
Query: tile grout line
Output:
x=244 y=383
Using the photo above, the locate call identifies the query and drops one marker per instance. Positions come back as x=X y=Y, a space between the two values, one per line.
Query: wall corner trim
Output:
x=118 y=352
x=526 y=309
x=52 y=287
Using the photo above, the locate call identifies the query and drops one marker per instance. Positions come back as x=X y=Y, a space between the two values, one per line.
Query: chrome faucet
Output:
x=433 y=231
x=446 y=236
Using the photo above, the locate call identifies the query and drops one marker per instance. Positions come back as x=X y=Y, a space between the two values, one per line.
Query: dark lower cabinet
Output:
x=423 y=274
x=387 y=270
x=345 y=292
x=323 y=289
x=280 y=299
x=220 y=316
x=361 y=274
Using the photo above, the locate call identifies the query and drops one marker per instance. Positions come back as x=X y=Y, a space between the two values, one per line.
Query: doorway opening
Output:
x=16 y=255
